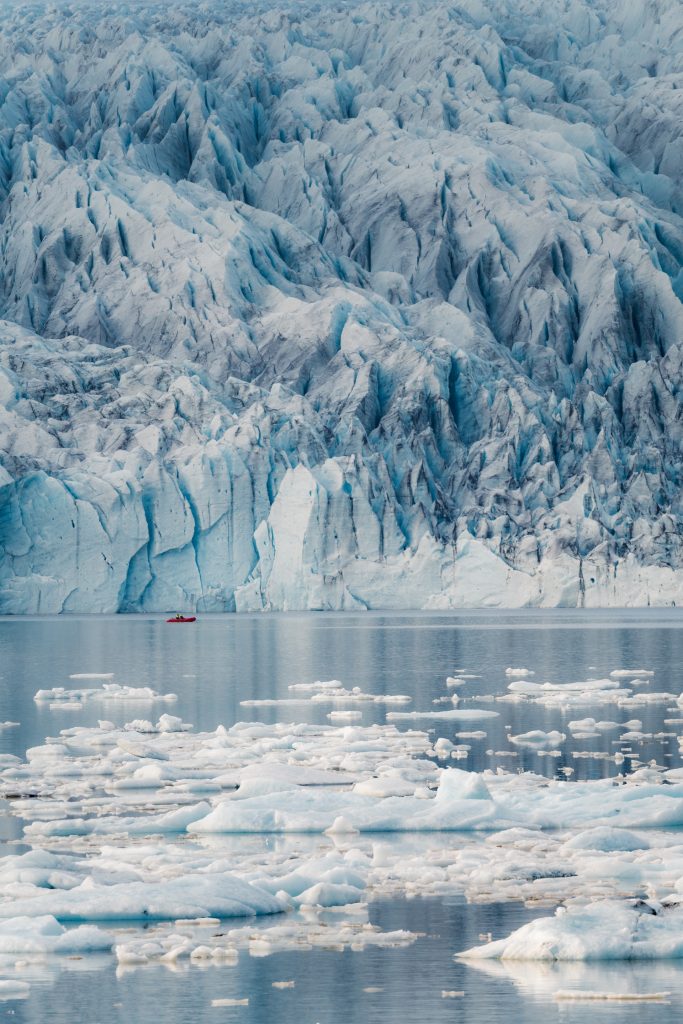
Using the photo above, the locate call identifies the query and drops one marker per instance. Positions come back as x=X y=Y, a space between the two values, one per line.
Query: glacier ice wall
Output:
x=340 y=305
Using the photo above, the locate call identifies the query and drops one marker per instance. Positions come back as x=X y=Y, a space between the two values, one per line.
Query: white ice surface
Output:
x=606 y=930
x=167 y=824
x=107 y=692
x=401 y=329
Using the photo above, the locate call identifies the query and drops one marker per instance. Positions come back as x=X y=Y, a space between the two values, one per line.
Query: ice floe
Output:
x=42 y=934
x=91 y=675
x=132 y=823
x=605 y=930
x=538 y=739
x=196 y=895
x=588 y=692
x=108 y=691
x=564 y=996
x=323 y=693
x=225 y=944
x=457 y=715
x=302 y=777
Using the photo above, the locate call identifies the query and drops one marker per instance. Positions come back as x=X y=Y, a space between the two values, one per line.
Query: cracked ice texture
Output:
x=340 y=306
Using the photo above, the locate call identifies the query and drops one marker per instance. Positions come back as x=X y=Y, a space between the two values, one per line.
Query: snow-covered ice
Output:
x=385 y=312
x=606 y=930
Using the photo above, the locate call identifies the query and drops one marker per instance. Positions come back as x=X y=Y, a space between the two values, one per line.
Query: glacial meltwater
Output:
x=361 y=920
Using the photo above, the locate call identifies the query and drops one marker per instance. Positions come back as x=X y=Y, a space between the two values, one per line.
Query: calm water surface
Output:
x=221 y=660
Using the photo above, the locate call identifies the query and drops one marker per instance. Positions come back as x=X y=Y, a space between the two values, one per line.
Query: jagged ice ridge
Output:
x=328 y=305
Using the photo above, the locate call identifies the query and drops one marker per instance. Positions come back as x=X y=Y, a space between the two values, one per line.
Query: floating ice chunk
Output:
x=328 y=694
x=55 y=694
x=532 y=689
x=185 y=896
x=605 y=930
x=607 y=840
x=384 y=786
x=108 y=692
x=144 y=825
x=170 y=723
x=11 y=988
x=286 y=934
x=538 y=738
x=354 y=695
x=42 y=934
x=273 y=702
x=514 y=837
x=518 y=673
x=91 y=675
x=296 y=775
x=631 y=673
x=458 y=785
x=457 y=715
x=148 y=776
x=141 y=725
x=328 y=894
x=262 y=786
x=587 y=692
x=568 y=996
x=329 y=684
x=137 y=748
x=590 y=726
x=283 y=984
x=345 y=716
x=230 y=1002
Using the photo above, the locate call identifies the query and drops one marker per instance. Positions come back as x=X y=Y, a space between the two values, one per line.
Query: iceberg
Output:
x=606 y=930
x=181 y=897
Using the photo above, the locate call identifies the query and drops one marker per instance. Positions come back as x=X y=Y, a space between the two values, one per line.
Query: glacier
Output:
x=340 y=305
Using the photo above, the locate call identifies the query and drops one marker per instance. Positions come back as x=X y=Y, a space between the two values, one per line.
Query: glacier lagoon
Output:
x=337 y=306
x=429 y=895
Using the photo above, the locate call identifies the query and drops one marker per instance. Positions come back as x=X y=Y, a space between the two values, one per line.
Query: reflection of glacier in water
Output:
x=430 y=895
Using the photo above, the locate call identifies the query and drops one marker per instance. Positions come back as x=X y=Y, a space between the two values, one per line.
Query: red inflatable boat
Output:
x=183 y=618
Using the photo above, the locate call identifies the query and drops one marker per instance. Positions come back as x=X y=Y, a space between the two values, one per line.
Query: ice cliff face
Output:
x=341 y=306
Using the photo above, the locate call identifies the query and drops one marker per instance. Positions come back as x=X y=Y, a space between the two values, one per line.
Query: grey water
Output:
x=219 y=661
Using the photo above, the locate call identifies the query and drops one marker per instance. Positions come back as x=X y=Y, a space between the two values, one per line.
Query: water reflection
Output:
x=222 y=660
x=379 y=985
